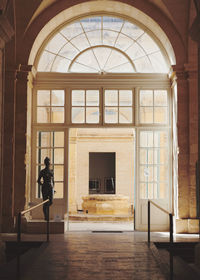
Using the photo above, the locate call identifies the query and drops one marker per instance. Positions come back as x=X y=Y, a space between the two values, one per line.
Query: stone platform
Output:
x=105 y=204
x=100 y=218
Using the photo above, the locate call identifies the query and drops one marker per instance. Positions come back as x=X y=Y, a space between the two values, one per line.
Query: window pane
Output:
x=115 y=59
x=160 y=115
x=46 y=61
x=146 y=98
x=94 y=37
x=109 y=37
x=92 y=98
x=59 y=139
x=80 y=42
x=146 y=139
x=78 y=98
x=58 y=155
x=92 y=115
x=125 y=115
x=146 y=156
x=163 y=173
x=143 y=190
x=68 y=51
x=57 y=115
x=160 y=98
x=78 y=115
x=150 y=190
x=102 y=55
x=125 y=98
x=58 y=173
x=43 y=97
x=162 y=156
x=92 y=23
x=72 y=30
x=123 y=42
x=135 y=51
x=56 y=43
x=42 y=154
x=162 y=190
x=43 y=139
x=147 y=43
x=60 y=64
x=43 y=114
x=143 y=65
x=132 y=30
x=146 y=114
x=146 y=173
x=57 y=98
x=111 y=115
x=160 y=139
x=112 y=23
x=89 y=60
x=58 y=187
x=111 y=97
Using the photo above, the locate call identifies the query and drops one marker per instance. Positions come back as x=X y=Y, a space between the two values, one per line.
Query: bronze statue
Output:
x=47 y=185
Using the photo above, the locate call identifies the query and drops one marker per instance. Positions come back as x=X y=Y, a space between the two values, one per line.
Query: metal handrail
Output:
x=19 y=231
x=171 y=240
x=28 y=210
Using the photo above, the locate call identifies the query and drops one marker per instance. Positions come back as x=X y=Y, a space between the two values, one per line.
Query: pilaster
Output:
x=193 y=134
x=183 y=140
x=20 y=137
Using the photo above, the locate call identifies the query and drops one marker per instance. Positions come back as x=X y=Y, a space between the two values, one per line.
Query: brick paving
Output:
x=94 y=256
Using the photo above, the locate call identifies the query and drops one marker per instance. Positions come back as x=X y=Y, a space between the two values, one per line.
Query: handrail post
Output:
x=18 y=244
x=19 y=227
x=47 y=223
x=171 y=246
x=171 y=228
x=148 y=215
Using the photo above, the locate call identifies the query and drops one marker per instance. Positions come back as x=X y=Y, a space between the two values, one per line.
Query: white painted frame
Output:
x=102 y=81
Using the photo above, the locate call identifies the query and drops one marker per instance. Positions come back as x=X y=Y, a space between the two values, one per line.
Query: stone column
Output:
x=9 y=151
x=6 y=33
x=183 y=141
x=20 y=137
x=193 y=136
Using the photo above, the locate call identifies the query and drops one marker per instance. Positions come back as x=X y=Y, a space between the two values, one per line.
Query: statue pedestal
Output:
x=100 y=204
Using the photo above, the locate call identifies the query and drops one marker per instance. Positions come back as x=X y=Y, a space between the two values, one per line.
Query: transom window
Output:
x=50 y=106
x=85 y=106
x=102 y=44
x=118 y=106
x=153 y=106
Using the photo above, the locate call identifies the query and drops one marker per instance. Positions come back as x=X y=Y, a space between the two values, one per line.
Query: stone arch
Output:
x=142 y=11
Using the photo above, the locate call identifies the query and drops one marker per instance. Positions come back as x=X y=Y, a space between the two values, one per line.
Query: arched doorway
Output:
x=125 y=67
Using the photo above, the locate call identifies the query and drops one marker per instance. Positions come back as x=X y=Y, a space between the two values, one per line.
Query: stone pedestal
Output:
x=106 y=204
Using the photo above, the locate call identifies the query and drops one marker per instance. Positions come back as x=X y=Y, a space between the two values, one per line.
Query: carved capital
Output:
x=192 y=71
x=178 y=74
x=23 y=72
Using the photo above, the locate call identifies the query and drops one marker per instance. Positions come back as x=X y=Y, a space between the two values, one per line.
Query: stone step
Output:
x=40 y=226
x=101 y=218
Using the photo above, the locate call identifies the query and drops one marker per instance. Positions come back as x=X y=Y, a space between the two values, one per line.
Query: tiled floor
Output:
x=96 y=256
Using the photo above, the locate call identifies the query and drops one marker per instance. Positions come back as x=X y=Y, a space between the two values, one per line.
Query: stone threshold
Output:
x=101 y=218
